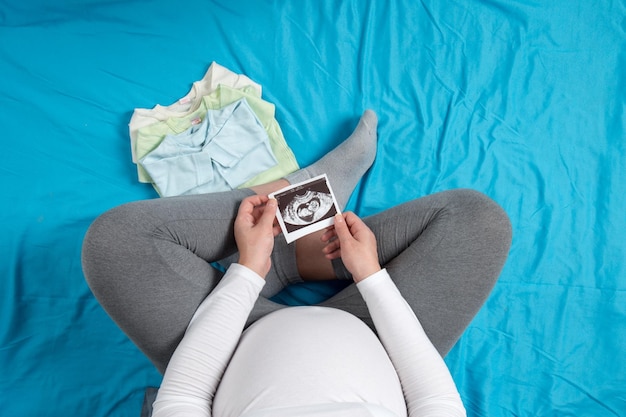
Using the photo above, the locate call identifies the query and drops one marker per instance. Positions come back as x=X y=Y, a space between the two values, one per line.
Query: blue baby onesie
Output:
x=226 y=149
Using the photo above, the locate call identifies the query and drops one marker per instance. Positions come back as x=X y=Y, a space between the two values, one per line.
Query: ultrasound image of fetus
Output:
x=307 y=208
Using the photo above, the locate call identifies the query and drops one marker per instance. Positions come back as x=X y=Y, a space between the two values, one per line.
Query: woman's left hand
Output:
x=255 y=231
x=355 y=243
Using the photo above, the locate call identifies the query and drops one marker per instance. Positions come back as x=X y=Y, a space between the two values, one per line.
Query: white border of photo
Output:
x=314 y=227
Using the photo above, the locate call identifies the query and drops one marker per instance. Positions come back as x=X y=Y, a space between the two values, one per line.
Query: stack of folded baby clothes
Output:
x=218 y=137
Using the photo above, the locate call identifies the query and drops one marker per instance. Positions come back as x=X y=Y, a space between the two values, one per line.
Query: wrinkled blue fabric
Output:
x=228 y=148
x=521 y=100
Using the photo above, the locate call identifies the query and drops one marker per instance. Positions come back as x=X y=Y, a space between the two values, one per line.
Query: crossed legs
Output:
x=149 y=262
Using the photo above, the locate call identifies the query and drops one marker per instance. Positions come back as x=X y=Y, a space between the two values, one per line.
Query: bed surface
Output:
x=523 y=101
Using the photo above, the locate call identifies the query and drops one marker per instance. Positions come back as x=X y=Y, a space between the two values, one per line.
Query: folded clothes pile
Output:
x=220 y=136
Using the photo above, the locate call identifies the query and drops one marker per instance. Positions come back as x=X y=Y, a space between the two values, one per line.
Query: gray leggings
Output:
x=148 y=262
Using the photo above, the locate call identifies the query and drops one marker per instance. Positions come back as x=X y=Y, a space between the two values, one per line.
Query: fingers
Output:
x=354 y=222
x=340 y=234
x=257 y=200
x=348 y=226
x=355 y=244
x=328 y=234
x=341 y=227
x=255 y=233
x=253 y=208
x=337 y=236
x=248 y=204
x=269 y=213
x=332 y=250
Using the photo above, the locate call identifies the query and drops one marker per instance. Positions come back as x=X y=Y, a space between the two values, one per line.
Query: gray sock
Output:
x=346 y=164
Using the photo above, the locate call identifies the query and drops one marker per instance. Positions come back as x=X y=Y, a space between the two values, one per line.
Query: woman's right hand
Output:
x=355 y=243
x=255 y=231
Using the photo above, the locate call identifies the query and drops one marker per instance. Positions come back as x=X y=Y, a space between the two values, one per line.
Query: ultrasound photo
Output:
x=305 y=207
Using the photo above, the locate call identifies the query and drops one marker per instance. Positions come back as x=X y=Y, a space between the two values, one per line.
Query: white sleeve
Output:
x=199 y=361
x=428 y=387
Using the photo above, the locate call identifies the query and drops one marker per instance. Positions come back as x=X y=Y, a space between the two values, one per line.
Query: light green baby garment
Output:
x=149 y=137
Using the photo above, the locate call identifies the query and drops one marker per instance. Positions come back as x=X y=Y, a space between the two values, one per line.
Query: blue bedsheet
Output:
x=524 y=101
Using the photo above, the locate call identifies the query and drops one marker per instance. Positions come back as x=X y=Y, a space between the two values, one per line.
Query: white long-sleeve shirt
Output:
x=305 y=361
